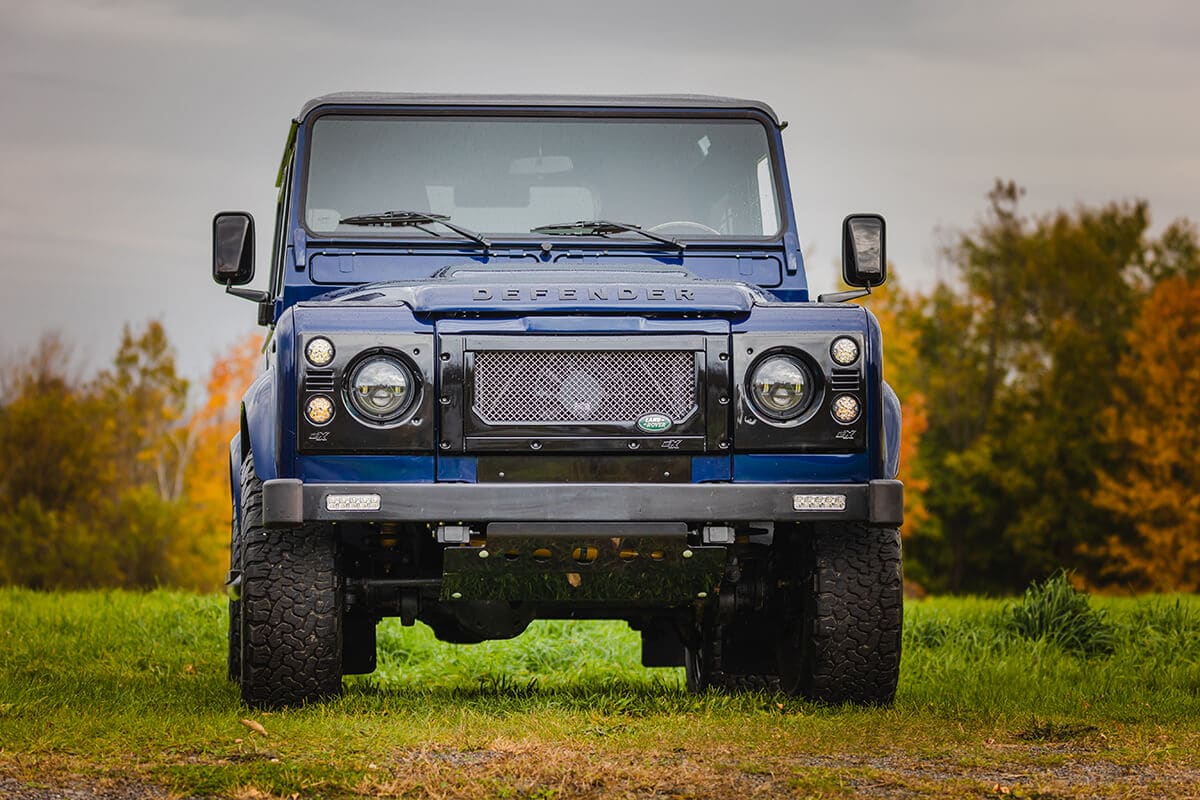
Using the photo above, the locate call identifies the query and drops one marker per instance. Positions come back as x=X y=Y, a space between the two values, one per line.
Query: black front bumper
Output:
x=290 y=502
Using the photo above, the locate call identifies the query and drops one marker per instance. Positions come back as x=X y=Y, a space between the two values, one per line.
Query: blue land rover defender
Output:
x=555 y=357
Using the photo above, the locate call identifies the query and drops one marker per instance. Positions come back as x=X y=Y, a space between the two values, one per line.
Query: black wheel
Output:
x=291 y=609
x=841 y=624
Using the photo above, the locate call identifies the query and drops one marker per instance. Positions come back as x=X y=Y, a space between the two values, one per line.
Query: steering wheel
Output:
x=684 y=223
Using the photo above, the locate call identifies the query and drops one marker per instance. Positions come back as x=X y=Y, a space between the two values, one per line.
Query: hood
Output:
x=532 y=289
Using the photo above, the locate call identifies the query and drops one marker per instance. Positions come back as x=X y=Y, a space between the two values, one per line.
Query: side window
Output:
x=279 y=243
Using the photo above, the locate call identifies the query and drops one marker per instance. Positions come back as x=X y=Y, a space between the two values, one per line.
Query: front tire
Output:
x=844 y=645
x=291 y=609
x=826 y=625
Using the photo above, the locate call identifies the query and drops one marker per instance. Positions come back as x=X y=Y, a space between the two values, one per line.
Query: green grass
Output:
x=128 y=690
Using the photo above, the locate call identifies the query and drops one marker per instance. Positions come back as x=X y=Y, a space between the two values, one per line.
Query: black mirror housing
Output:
x=864 y=250
x=233 y=248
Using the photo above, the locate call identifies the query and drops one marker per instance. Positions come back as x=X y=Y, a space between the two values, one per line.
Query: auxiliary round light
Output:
x=846 y=408
x=319 y=409
x=844 y=351
x=319 y=351
x=780 y=387
x=381 y=388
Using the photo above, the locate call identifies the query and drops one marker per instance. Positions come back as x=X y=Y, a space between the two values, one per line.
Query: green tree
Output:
x=55 y=475
x=149 y=397
x=1020 y=357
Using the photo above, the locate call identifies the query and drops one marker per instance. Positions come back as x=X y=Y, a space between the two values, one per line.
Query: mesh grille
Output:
x=583 y=385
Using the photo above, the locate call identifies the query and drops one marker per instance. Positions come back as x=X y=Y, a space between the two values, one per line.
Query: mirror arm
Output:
x=247 y=294
x=841 y=297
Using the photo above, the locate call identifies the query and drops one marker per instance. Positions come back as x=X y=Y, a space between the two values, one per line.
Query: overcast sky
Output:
x=125 y=125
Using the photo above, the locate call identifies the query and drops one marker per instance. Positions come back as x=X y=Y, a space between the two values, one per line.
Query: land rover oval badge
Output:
x=654 y=423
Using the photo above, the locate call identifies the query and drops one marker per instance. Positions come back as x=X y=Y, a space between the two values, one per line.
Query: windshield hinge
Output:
x=791 y=250
x=299 y=249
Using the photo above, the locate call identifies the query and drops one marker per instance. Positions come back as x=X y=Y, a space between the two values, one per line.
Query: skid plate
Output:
x=619 y=569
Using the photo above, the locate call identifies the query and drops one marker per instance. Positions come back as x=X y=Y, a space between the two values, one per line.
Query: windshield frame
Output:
x=393 y=235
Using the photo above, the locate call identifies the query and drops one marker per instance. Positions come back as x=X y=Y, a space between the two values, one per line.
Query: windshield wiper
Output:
x=413 y=219
x=602 y=226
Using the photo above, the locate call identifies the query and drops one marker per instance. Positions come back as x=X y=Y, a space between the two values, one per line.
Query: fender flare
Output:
x=893 y=422
x=260 y=433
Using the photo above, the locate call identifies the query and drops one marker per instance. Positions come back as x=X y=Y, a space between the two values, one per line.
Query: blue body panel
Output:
x=366 y=469
x=773 y=298
x=801 y=468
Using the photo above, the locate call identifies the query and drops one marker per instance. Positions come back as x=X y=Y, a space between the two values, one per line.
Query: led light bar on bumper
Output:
x=352 y=502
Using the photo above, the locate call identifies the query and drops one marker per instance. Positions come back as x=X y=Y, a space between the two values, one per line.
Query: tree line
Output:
x=113 y=480
x=1051 y=385
x=1051 y=393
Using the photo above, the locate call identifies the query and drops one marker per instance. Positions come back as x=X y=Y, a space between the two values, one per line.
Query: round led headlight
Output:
x=844 y=351
x=319 y=351
x=319 y=409
x=381 y=388
x=845 y=408
x=780 y=387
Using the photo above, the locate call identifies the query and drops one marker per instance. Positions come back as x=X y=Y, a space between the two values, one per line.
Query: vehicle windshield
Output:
x=505 y=176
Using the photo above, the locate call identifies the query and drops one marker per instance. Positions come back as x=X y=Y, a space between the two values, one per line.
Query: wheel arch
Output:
x=259 y=434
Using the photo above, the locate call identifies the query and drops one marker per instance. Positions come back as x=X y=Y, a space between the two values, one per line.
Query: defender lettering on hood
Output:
x=550 y=293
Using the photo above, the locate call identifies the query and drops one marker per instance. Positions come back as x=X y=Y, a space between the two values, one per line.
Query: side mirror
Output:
x=233 y=248
x=864 y=254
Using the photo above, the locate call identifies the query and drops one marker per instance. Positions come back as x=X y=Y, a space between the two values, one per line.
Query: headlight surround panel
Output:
x=407 y=430
x=813 y=428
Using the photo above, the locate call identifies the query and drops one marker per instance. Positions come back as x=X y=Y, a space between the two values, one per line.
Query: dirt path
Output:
x=520 y=771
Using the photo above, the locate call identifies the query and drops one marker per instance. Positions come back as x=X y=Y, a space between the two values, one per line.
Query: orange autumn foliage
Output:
x=202 y=554
x=902 y=367
x=1154 y=425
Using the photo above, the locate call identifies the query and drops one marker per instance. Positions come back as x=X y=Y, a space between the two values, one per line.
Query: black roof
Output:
x=693 y=101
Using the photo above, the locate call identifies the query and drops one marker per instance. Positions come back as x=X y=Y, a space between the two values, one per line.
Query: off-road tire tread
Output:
x=234 y=660
x=291 y=607
x=857 y=611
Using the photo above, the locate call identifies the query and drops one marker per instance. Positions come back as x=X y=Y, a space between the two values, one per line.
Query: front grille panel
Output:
x=571 y=386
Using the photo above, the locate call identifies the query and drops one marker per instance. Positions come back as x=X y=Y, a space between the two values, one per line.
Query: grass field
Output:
x=124 y=695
